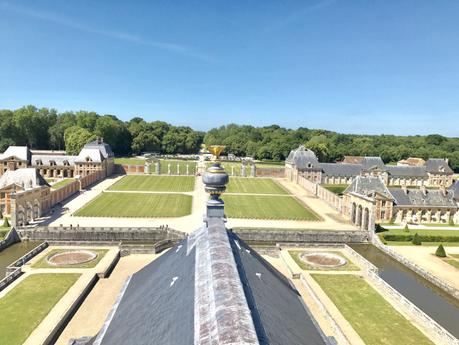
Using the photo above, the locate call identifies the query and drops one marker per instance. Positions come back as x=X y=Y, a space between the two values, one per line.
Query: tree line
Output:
x=48 y=129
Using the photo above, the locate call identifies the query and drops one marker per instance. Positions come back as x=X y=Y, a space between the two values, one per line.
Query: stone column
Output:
x=168 y=168
x=13 y=210
x=178 y=168
x=243 y=174
x=158 y=167
x=253 y=170
x=187 y=169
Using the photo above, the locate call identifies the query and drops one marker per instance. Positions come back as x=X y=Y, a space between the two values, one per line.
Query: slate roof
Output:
x=454 y=189
x=367 y=186
x=21 y=152
x=27 y=178
x=104 y=148
x=211 y=288
x=341 y=169
x=372 y=162
x=438 y=165
x=303 y=158
x=38 y=160
x=416 y=197
x=94 y=154
x=406 y=171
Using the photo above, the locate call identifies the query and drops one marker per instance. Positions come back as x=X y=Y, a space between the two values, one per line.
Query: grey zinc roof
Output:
x=438 y=165
x=406 y=171
x=416 y=197
x=341 y=169
x=104 y=148
x=372 y=162
x=21 y=152
x=27 y=178
x=210 y=289
x=47 y=159
x=367 y=185
x=303 y=158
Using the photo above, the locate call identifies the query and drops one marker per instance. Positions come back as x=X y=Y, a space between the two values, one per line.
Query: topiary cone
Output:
x=440 y=252
x=416 y=240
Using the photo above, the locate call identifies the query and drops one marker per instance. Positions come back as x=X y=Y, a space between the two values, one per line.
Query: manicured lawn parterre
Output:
x=423 y=232
x=267 y=207
x=254 y=185
x=42 y=263
x=62 y=183
x=372 y=317
x=155 y=183
x=140 y=205
x=452 y=262
x=130 y=161
x=395 y=237
x=24 y=307
x=335 y=188
x=349 y=266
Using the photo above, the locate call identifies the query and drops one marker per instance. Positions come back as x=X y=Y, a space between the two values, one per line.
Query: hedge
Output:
x=423 y=238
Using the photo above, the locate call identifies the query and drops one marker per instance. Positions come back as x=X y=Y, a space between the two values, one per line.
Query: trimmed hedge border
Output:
x=423 y=238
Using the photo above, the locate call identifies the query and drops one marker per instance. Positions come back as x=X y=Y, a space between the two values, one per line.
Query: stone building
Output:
x=303 y=162
x=95 y=156
x=368 y=194
x=34 y=194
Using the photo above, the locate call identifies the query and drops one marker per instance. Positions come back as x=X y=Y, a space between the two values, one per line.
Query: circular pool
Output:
x=323 y=259
x=71 y=257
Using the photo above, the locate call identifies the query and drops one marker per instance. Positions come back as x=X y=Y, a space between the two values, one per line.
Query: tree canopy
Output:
x=46 y=128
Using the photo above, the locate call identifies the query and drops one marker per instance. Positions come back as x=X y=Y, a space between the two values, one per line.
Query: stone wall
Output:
x=331 y=198
x=270 y=172
x=101 y=234
x=316 y=236
x=128 y=169
x=64 y=192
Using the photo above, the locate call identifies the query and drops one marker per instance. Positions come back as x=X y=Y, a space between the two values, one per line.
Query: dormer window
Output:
x=52 y=163
x=88 y=159
x=309 y=165
x=66 y=163
x=442 y=169
x=38 y=162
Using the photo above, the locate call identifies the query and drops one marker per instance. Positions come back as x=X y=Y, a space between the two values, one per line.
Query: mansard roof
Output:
x=438 y=165
x=372 y=162
x=89 y=154
x=341 y=169
x=48 y=159
x=367 y=186
x=454 y=189
x=417 y=197
x=406 y=171
x=104 y=148
x=303 y=158
x=21 y=152
x=212 y=288
x=26 y=178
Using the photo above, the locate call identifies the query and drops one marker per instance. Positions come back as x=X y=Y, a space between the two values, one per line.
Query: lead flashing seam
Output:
x=222 y=315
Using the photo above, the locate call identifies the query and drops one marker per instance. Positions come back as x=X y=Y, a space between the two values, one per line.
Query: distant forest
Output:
x=48 y=129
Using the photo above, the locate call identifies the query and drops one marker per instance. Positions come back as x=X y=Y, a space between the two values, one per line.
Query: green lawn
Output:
x=140 y=205
x=155 y=183
x=254 y=185
x=129 y=161
x=42 y=263
x=454 y=255
x=372 y=317
x=62 y=183
x=425 y=244
x=24 y=307
x=349 y=266
x=266 y=207
x=452 y=262
x=335 y=188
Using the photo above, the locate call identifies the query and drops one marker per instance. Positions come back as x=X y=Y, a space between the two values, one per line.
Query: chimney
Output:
x=443 y=190
x=404 y=188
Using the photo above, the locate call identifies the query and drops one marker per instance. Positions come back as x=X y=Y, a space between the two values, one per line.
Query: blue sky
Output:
x=352 y=66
